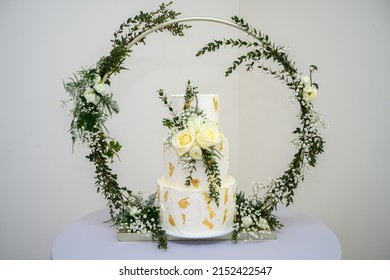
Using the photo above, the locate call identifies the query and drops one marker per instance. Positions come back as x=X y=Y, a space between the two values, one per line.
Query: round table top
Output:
x=302 y=238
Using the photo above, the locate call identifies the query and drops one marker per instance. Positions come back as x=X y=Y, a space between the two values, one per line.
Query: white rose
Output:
x=196 y=153
x=208 y=135
x=195 y=123
x=263 y=224
x=309 y=93
x=183 y=141
x=100 y=88
x=134 y=211
x=246 y=221
x=91 y=96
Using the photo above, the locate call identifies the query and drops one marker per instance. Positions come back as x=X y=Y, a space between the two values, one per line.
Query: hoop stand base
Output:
x=252 y=236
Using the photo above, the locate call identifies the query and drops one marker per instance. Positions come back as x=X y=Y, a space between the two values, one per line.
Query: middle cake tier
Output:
x=175 y=173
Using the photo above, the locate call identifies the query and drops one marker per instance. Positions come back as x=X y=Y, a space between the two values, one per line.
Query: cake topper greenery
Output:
x=93 y=104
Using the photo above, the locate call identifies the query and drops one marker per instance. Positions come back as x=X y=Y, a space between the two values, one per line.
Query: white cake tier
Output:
x=209 y=103
x=188 y=212
x=175 y=175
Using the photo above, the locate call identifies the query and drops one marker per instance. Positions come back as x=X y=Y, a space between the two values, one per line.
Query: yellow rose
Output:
x=208 y=135
x=183 y=141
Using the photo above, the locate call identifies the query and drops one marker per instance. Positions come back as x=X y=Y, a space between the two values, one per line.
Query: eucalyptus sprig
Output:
x=211 y=166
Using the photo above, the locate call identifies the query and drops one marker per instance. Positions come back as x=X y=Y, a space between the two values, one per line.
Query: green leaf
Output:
x=115 y=145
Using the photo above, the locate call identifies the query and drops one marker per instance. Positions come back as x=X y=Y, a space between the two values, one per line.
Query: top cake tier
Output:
x=209 y=103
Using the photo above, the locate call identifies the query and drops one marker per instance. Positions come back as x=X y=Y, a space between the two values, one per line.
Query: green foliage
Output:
x=210 y=164
x=170 y=123
x=93 y=106
x=190 y=94
x=131 y=29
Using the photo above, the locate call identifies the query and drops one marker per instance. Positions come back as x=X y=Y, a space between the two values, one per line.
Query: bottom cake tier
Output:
x=187 y=212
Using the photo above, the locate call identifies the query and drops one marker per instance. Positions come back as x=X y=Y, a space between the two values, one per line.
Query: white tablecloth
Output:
x=302 y=238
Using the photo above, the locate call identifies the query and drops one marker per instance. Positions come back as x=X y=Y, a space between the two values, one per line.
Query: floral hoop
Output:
x=93 y=105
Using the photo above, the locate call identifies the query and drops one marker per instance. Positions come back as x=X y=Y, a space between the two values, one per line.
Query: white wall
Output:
x=44 y=186
x=349 y=189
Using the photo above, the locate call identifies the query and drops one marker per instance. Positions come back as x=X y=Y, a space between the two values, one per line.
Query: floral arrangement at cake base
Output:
x=93 y=104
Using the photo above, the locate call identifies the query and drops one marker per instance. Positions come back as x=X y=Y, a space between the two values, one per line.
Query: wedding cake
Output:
x=196 y=195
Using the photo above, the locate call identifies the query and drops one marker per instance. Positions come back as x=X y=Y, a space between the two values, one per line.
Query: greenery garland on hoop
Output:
x=93 y=105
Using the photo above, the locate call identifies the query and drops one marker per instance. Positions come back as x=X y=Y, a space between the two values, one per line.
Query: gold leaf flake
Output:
x=208 y=223
x=184 y=203
x=211 y=211
x=220 y=147
x=226 y=196
x=166 y=196
x=158 y=193
x=172 y=221
x=171 y=169
x=206 y=197
x=195 y=182
x=188 y=104
x=224 y=216
x=215 y=101
x=183 y=217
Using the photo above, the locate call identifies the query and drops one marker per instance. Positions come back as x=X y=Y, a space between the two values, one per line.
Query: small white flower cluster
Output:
x=167 y=141
x=137 y=227
x=276 y=190
x=141 y=224
x=186 y=162
x=88 y=136
x=187 y=114
x=304 y=141
x=313 y=122
x=251 y=218
x=316 y=120
x=283 y=49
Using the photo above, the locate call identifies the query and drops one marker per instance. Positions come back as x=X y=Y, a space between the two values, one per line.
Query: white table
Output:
x=302 y=238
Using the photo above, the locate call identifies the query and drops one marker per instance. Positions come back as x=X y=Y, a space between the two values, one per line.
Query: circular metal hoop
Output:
x=186 y=19
x=89 y=116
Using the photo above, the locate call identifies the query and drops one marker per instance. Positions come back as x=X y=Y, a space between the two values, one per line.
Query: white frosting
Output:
x=209 y=103
x=188 y=211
